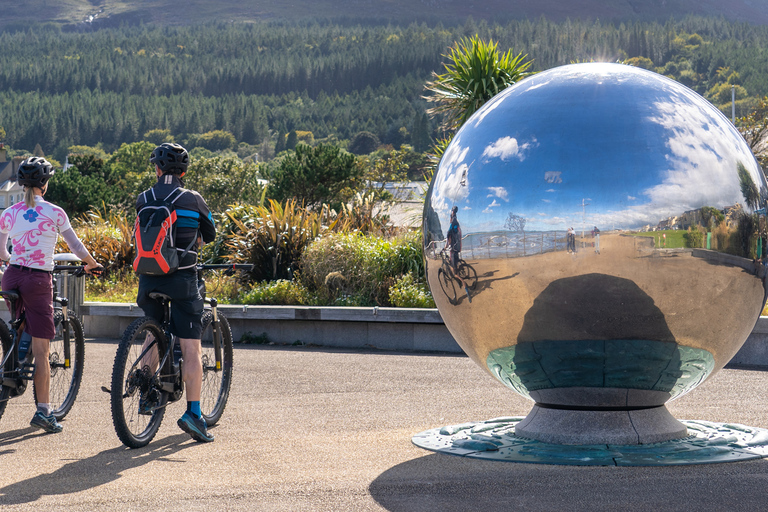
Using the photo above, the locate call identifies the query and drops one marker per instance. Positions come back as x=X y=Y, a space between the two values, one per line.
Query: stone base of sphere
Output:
x=587 y=427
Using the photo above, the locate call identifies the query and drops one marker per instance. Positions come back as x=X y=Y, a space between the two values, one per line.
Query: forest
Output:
x=261 y=81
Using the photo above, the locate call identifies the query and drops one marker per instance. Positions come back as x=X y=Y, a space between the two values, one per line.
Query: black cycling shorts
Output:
x=186 y=301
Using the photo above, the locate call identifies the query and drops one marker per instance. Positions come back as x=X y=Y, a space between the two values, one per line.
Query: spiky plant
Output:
x=475 y=72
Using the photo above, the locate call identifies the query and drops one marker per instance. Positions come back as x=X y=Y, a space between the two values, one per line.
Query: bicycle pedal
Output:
x=27 y=371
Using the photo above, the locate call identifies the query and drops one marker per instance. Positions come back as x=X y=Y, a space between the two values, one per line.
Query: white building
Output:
x=10 y=191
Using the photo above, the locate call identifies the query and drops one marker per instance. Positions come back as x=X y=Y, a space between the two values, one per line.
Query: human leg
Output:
x=192 y=369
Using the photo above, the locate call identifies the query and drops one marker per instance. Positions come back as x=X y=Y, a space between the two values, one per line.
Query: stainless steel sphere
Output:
x=600 y=327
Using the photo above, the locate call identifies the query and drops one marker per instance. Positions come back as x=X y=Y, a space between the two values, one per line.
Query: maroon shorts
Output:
x=36 y=290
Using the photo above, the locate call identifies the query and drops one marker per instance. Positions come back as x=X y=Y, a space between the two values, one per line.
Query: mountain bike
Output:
x=66 y=356
x=148 y=369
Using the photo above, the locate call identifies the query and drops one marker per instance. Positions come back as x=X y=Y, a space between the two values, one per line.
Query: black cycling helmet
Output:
x=34 y=172
x=170 y=158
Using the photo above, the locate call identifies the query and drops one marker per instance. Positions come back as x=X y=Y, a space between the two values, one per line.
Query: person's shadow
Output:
x=84 y=474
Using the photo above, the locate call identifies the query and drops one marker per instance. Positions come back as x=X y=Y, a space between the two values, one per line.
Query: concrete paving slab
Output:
x=330 y=430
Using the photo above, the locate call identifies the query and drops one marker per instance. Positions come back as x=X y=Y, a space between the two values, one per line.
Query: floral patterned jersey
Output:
x=34 y=232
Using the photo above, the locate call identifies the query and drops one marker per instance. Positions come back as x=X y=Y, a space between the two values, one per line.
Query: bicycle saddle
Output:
x=10 y=294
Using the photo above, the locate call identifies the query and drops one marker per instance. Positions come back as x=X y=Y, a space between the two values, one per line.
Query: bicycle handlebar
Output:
x=77 y=270
x=228 y=268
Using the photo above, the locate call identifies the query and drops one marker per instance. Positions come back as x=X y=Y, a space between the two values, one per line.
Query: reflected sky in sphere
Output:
x=630 y=145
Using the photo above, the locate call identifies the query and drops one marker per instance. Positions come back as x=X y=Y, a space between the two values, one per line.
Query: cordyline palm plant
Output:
x=475 y=72
x=273 y=237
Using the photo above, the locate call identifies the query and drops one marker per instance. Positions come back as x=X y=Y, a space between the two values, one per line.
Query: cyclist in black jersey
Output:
x=195 y=227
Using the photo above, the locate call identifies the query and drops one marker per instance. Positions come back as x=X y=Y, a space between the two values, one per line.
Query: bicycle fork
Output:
x=64 y=333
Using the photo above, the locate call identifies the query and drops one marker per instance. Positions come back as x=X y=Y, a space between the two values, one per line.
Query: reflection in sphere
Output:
x=551 y=182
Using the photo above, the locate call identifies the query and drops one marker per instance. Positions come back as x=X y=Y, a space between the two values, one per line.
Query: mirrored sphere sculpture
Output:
x=562 y=185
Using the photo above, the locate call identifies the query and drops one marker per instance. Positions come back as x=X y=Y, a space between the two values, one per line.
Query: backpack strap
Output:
x=181 y=191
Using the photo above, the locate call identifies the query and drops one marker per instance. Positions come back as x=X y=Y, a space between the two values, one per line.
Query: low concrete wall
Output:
x=382 y=328
x=754 y=352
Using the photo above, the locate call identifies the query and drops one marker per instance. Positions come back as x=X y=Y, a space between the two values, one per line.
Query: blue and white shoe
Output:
x=47 y=423
x=195 y=427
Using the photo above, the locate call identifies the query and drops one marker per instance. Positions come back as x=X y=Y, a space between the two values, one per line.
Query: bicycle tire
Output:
x=5 y=344
x=65 y=379
x=468 y=274
x=447 y=285
x=216 y=382
x=133 y=429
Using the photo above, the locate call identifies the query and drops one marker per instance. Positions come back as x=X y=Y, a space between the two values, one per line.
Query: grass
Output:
x=123 y=287
x=674 y=238
x=115 y=288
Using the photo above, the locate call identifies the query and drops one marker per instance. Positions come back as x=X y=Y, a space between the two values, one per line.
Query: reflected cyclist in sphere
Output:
x=453 y=244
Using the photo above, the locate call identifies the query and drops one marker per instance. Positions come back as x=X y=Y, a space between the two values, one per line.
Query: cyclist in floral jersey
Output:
x=33 y=226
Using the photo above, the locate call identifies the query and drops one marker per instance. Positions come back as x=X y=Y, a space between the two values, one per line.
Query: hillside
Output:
x=84 y=13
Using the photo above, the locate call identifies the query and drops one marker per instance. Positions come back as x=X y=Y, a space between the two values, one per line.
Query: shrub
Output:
x=368 y=265
x=693 y=238
x=407 y=293
x=277 y=293
x=108 y=236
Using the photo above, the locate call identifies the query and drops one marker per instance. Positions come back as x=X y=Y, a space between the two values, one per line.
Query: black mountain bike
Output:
x=148 y=368
x=67 y=352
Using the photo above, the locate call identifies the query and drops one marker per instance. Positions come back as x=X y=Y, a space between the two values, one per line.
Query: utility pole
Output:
x=584 y=205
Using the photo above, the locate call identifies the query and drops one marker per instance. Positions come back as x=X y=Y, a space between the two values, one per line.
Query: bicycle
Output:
x=148 y=368
x=446 y=276
x=66 y=356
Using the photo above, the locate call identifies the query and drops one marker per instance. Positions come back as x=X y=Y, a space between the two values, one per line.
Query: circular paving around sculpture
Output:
x=495 y=439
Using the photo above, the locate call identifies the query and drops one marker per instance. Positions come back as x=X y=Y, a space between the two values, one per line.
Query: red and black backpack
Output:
x=155 y=234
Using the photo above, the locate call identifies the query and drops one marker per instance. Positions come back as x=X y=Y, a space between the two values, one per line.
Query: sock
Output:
x=44 y=408
x=194 y=408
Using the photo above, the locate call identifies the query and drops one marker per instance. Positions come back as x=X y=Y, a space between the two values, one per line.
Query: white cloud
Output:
x=553 y=177
x=507 y=148
x=550 y=190
x=546 y=200
x=631 y=198
x=494 y=204
x=499 y=192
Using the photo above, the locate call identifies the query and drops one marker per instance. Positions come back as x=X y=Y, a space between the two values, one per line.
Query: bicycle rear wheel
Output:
x=217 y=378
x=5 y=345
x=66 y=374
x=468 y=274
x=132 y=379
x=447 y=285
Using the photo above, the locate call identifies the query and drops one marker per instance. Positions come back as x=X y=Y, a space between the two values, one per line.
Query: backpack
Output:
x=154 y=235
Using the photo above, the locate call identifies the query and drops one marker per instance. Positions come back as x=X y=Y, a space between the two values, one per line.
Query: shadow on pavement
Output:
x=443 y=483
x=18 y=435
x=84 y=474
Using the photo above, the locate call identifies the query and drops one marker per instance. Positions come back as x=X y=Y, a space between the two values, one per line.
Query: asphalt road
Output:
x=329 y=430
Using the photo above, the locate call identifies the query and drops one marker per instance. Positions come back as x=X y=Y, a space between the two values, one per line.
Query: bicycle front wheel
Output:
x=217 y=372
x=66 y=372
x=133 y=383
x=5 y=345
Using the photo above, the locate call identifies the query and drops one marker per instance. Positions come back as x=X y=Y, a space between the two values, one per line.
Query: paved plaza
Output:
x=329 y=430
